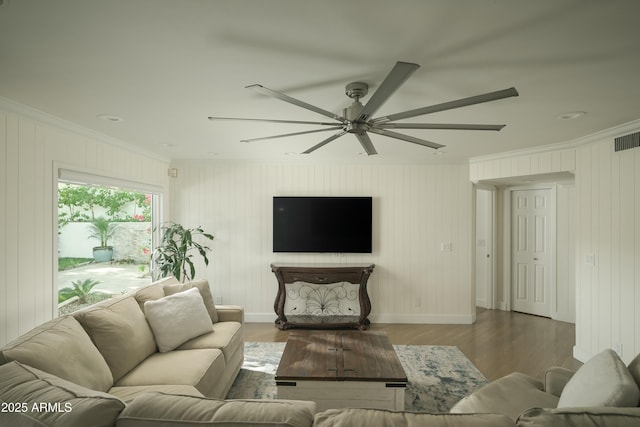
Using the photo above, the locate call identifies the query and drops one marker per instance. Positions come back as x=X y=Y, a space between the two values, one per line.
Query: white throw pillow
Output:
x=205 y=293
x=603 y=380
x=177 y=318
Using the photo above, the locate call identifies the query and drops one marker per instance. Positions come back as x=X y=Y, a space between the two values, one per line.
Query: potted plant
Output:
x=174 y=254
x=103 y=230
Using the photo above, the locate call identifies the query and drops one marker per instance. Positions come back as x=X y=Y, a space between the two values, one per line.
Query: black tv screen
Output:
x=322 y=224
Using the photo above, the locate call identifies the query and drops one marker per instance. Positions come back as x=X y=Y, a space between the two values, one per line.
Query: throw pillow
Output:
x=603 y=380
x=117 y=325
x=205 y=292
x=175 y=319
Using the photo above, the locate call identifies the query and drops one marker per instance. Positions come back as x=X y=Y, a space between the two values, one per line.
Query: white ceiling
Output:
x=164 y=66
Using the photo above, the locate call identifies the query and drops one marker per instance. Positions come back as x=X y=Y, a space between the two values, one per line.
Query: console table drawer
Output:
x=322 y=277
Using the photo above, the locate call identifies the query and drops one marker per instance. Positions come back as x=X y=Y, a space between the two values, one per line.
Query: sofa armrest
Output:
x=230 y=313
x=598 y=416
x=556 y=378
x=172 y=410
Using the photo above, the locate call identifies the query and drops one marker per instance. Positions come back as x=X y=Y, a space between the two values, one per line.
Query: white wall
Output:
x=31 y=144
x=565 y=308
x=608 y=228
x=606 y=217
x=416 y=208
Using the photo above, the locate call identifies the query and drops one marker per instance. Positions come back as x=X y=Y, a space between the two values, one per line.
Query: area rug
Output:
x=438 y=376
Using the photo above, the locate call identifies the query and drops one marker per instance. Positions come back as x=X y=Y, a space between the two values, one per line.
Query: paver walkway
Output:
x=113 y=278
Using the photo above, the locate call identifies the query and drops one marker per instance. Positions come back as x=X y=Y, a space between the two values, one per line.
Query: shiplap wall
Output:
x=608 y=228
x=506 y=166
x=30 y=148
x=416 y=208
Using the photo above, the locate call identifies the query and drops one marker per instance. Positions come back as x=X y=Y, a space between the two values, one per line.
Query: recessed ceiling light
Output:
x=110 y=118
x=571 y=115
x=290 y=153
x=438 y=153
x=167 y=145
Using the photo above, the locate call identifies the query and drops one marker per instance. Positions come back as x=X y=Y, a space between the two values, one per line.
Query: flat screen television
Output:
x=322 y=224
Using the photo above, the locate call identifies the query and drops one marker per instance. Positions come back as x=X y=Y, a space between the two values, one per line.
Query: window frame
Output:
x=67 y=174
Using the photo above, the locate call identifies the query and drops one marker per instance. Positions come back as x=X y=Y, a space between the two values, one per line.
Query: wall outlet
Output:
x=217 y=299
x=590 y=259
x=445 y=247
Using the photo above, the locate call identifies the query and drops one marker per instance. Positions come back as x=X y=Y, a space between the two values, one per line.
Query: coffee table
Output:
x=341 y=369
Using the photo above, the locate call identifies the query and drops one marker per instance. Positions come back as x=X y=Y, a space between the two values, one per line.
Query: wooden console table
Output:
x=325 y=308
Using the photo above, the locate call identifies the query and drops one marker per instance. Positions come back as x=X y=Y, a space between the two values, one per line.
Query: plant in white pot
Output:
x=103 y=230
x=174 y=255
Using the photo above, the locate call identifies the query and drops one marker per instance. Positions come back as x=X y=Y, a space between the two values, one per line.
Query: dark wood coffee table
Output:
x=338 y=369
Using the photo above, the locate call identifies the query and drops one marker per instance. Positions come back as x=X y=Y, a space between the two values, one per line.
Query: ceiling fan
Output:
x=358 y=119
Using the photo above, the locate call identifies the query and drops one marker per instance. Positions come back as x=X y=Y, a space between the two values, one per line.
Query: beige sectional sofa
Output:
x=132 y=361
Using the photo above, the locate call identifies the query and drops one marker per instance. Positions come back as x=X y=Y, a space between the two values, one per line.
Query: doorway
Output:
x=533 y=237
x=484 y=247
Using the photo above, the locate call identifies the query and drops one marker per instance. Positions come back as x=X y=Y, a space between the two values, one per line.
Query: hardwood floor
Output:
x=498 y=343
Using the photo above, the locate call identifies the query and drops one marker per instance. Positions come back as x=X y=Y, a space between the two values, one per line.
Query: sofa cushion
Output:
x=153 y=291
x=199 y=368
x=580 y=417
x=509 y=395
x=205 y=292
x=166 y=410
x=121 y=333
x=177 y=318
x=62 y=348
x=603 y=380
x=42 y=399
x=379 y=417
x=226 y=336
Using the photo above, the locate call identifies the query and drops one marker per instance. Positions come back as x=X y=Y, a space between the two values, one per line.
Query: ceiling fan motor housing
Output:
x=352 y=112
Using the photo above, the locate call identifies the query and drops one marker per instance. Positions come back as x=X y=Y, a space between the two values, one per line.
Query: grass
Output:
x=69 y=263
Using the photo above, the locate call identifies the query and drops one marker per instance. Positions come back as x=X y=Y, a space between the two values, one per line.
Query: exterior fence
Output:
x=131 y=243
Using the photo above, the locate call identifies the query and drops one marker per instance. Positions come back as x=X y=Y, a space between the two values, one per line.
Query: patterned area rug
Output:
x=438 y=376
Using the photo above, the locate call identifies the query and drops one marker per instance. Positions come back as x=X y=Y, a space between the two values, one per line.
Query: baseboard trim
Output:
x=458 y=319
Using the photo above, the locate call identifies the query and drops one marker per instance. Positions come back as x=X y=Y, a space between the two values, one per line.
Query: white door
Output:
x=532 y=250
x=484 y=248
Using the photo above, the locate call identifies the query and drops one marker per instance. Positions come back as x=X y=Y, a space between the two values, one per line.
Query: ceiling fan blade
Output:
x=366 y=143
x=297 y=122
x=407 y=138
x=290 y=134
x=437 y=126
x=325 y=142
x=286 y=98
x=398 y=75
x=478 y=99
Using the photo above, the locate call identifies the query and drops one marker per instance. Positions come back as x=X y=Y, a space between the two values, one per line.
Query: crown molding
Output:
x=609 y=133
x=57 y=122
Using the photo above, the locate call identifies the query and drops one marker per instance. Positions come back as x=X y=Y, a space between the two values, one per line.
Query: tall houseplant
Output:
x=174 y=255
x=103 y=230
